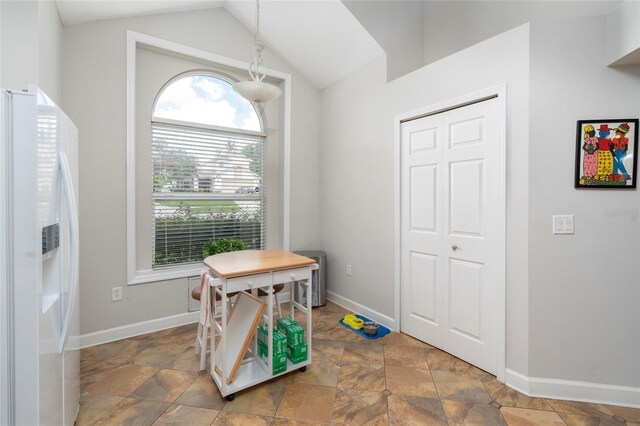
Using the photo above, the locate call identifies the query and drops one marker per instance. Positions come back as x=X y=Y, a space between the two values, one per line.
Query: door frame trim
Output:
x=500 y=93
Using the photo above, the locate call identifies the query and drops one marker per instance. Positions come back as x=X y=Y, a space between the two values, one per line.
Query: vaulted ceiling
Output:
x=327 y=40
x=309 y=34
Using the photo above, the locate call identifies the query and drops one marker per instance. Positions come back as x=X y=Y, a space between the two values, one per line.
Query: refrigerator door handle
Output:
x=69 y=195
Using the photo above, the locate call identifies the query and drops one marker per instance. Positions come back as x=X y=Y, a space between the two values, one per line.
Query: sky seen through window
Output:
x=206 y=100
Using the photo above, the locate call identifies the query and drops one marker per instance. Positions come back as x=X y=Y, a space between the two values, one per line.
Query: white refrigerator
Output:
x=39 y=325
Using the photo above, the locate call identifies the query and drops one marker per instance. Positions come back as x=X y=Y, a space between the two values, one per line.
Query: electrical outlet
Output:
x=348 y=269
x=116 y=294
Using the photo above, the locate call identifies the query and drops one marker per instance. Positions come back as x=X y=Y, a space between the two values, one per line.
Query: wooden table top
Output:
x=247 y=262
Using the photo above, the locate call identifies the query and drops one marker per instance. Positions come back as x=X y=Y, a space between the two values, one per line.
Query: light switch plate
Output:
x=563 y=224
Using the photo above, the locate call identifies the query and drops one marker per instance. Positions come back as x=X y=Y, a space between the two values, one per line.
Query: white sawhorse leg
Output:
x=203 y=336
x=276 y=303
x=275 y=299
x=201 y=344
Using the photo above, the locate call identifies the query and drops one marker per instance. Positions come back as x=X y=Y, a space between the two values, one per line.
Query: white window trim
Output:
x=219 y=129
x=134 y=39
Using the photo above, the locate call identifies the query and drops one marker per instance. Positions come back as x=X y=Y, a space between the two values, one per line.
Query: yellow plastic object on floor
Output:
x=353 y=322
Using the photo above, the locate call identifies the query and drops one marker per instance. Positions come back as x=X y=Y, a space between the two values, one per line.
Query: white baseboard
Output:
x=136 y=329
x=144 y=327
x=573 y=390
x=349 y=304
x=517 y=381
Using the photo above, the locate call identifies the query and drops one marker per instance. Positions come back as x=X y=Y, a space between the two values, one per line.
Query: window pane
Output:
x=208 y=100
x=199 y=160
x=207 y=185
x=182 y=227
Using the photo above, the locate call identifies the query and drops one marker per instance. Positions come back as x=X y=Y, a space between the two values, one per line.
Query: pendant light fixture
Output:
x=255 y=90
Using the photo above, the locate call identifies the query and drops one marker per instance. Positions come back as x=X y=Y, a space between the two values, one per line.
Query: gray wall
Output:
x=19 y=44
x=584 y=316
x=450 y=26
x=398 y=27
x=358 y=165
x=95 y=99
x=31 y=46
x=623 y=34
x=572 y=301
x=50 y=50
x=417 y=33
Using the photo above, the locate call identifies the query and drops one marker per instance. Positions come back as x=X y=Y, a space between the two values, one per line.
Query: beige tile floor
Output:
x=397 y=380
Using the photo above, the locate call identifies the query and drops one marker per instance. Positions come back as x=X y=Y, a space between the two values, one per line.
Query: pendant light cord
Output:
x=257 y=21
x=257 y=64
x=256 y=90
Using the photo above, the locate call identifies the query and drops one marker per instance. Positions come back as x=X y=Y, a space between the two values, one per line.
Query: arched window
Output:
x=205 y=99
x=208 y=156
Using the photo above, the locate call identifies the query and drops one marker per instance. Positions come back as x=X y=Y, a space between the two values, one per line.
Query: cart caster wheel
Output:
x=231 y=397
x=303 y=369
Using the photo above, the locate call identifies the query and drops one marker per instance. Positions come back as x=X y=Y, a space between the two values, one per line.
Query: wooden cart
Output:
x=247 y=271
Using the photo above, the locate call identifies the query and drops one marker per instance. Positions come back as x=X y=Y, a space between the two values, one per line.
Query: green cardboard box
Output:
x=279 y=339
x=277 y=350
x=279 y=361
x=297 y=352
x=285 y=322
x=293 y=331
x=297 y=355
x=295 y=335
x=280 y=368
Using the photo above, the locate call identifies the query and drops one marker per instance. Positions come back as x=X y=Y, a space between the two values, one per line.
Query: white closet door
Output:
x=450 y=181
x=422 y=180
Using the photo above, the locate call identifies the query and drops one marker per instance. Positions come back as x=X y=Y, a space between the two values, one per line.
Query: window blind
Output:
x=207 y=184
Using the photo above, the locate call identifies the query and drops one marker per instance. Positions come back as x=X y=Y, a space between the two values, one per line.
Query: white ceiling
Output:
x=320 y=38
x=79 y=11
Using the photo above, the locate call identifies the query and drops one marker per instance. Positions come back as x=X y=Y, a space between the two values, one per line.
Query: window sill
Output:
x=165 y=274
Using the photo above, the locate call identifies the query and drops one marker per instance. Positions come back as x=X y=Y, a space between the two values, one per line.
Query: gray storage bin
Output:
x=318 y=280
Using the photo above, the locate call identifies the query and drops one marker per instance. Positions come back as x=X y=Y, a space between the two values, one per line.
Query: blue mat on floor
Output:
x=382 y=330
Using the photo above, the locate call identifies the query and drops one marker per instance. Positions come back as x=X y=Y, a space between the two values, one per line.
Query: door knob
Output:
x=454 y=247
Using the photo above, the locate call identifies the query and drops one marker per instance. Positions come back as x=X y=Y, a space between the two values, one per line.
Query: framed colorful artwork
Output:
x=606 y=153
